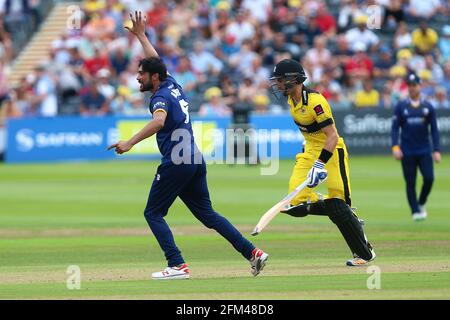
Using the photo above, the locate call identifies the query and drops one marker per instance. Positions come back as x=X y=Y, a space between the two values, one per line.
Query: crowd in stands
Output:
x=18 y=20
x=355 y=52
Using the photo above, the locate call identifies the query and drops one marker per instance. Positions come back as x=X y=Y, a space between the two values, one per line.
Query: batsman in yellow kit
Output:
x=324 y=159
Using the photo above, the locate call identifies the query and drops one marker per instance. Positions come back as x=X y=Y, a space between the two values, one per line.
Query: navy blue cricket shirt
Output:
x=414 y=124
x=170 y=98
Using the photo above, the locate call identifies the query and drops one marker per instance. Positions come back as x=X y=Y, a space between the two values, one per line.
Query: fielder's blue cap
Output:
x=413 y=78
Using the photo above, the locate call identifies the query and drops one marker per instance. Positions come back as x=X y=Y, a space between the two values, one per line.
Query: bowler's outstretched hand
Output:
x=139 y=23
x=121 y=147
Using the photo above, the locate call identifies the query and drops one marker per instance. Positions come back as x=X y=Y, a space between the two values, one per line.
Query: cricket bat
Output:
x=272 y=212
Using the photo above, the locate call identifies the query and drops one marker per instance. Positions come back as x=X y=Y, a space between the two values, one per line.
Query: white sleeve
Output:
x=42 y=88
x=437 y=4
x=374 y=38
x=350 y=36
x=343 y=17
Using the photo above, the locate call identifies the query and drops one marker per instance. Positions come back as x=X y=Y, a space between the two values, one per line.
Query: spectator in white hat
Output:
x=104 y=85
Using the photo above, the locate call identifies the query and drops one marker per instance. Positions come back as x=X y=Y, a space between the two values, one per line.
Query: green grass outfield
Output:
x=91 y=215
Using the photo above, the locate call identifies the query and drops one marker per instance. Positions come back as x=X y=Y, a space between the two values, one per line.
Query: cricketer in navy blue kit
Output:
x=413 y=121
x=182 y=172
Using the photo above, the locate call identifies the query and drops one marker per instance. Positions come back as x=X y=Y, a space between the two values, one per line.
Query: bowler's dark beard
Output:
x=146 y=87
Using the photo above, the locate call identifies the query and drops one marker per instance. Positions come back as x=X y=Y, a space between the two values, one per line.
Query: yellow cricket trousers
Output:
x=338 y=181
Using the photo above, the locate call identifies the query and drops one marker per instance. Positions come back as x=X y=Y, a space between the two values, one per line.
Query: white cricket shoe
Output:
x=258 y=261
x=419 y=216
x=423 y=210
x=169 y=273
x=357 y=261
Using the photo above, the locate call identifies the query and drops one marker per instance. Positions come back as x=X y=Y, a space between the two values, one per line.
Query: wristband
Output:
x=325 y=155
x=319 y=164
x=396 y=148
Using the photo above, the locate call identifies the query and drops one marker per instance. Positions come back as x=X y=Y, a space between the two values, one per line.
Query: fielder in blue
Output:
x=413 y=121
x=182 y=172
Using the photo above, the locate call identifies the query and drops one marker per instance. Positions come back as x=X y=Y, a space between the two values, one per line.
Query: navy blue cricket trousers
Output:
x=424 y=163
x=187 y=181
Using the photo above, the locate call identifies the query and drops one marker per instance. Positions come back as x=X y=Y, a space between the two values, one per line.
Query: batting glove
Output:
x=317 y=174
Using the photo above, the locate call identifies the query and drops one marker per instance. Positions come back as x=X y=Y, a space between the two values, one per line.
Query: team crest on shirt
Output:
x=426 y=111
x=159 y=104
x=318 y=110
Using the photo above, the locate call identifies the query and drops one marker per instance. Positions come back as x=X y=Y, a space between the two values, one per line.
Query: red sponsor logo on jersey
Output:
x=318 y=109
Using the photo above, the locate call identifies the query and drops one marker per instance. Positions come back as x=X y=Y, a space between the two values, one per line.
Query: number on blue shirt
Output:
x=185 y=108
x=183 y=103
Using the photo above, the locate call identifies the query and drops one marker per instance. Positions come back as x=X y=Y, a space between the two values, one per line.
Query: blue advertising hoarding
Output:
x=54 y=139
x=86 y=138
